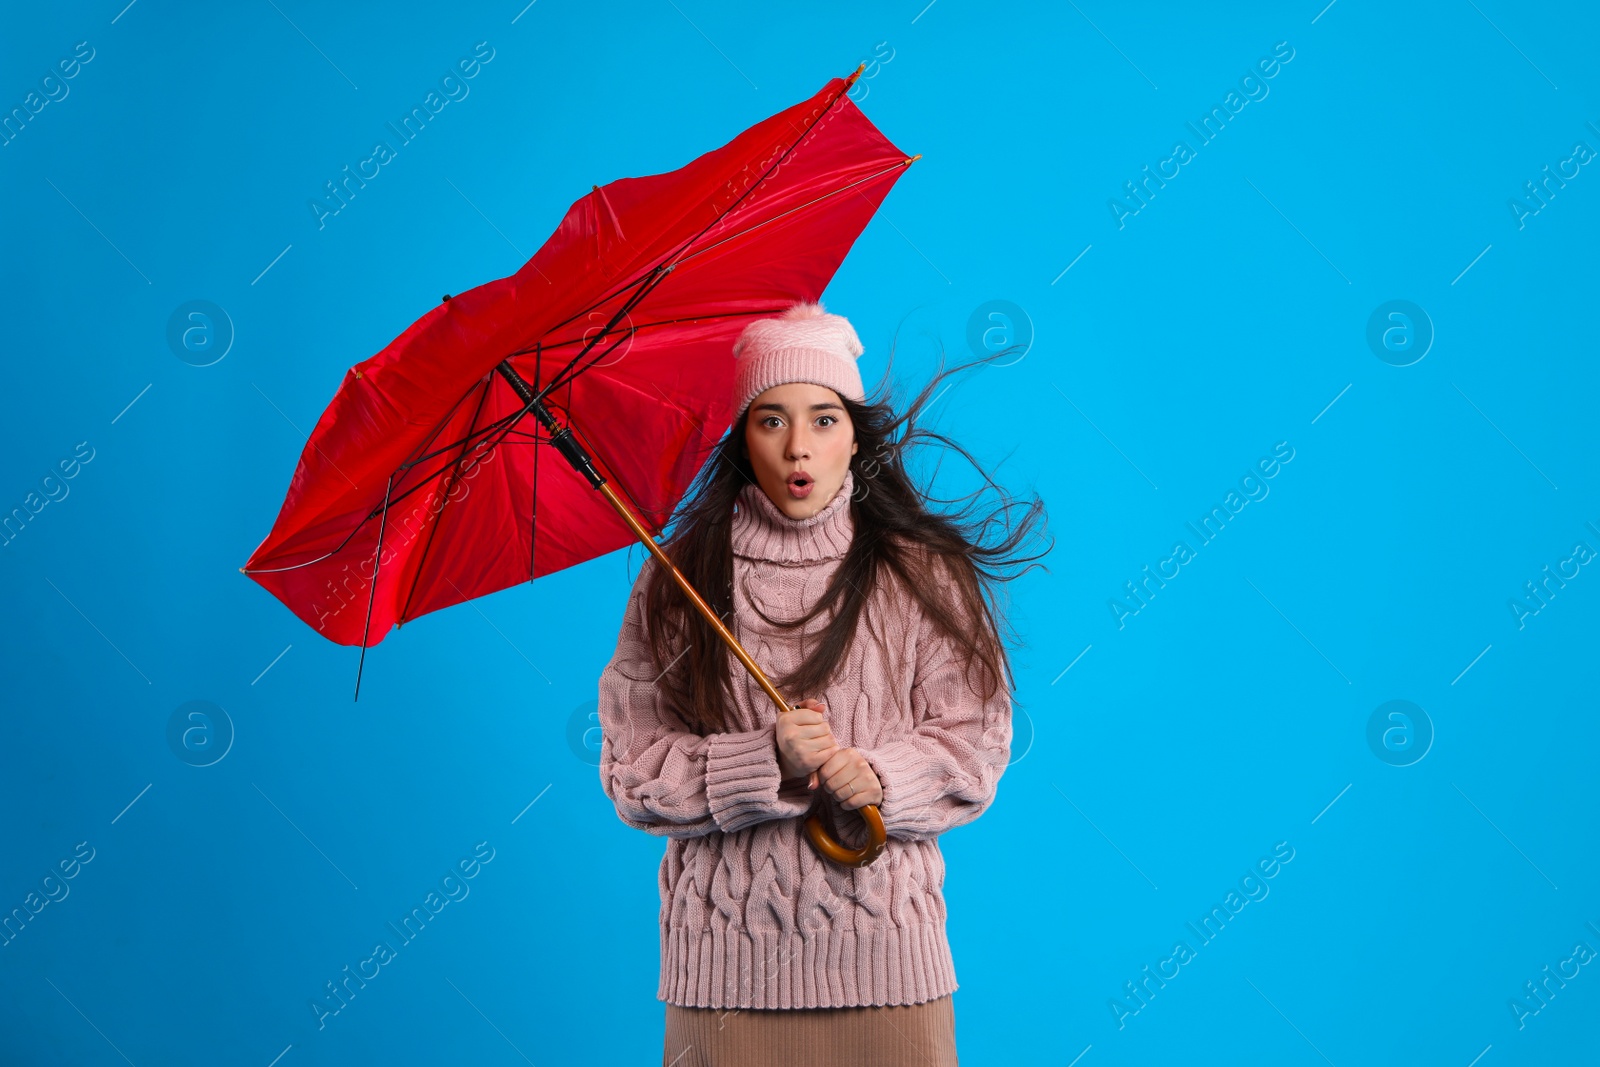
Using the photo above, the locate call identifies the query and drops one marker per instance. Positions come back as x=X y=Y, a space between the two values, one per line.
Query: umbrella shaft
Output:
x=560 y=436
x=697 y=600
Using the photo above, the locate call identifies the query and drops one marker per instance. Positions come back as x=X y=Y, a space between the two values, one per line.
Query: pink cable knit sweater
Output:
x=751 y=916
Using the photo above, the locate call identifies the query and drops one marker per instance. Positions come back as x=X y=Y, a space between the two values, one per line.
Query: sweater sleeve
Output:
x=671 y=782
x=945 y=772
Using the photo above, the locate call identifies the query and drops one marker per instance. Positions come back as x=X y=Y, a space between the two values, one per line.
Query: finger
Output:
x=850 y=757
x=838 y=768
x=847 y=788
x=815 y=763
x=860 y=795
x=796 y=735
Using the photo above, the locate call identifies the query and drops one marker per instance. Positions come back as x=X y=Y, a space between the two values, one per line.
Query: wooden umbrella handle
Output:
x=850 y=856
x=877 y=839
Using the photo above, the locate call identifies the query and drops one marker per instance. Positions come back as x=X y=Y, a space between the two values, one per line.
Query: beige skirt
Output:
x=900 y=1035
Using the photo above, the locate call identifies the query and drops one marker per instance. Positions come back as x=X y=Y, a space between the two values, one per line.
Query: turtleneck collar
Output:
x=762 y=531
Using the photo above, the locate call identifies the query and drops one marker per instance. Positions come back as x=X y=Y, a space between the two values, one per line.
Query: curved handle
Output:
x=877 y=836
x=877 y=839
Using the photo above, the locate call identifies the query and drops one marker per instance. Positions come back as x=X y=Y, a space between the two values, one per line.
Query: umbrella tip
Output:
x=447 y=297
x=913 y=159
x=856 y=73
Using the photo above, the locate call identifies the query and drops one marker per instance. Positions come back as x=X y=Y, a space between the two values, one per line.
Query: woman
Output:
x=867 y=611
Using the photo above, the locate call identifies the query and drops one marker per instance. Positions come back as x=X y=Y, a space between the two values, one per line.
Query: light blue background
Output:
x=1230 y=714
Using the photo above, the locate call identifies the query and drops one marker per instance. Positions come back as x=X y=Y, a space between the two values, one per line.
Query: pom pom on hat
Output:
x=804 y=343
x=805 y=309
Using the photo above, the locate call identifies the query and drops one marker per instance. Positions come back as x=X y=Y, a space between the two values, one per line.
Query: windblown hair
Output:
x=896 y=536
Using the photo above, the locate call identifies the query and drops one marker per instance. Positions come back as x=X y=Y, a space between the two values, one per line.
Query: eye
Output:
x=833 y=417
x=769 y=419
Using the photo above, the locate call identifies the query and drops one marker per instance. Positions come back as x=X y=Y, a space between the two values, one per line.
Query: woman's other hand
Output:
x=850 y=778
x=805 y=741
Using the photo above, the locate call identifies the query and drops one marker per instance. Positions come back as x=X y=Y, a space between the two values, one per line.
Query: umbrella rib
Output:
x=377 y=562
x=422 y=483
x=730 y=237
x=492 y=445
x=702 y=433
x=375 y=511
x=438 y=520
x=566 y=379
x=640 y=327
x=637 y=282
x=564 y=376
x=798 y=207
x=659 y=272
x=444 y=421
x=634 y=330
x=307 y=563
x=332 y=551
x=655 y=277
x=592 y=307
x=610 y=472
x=776 y=163
x=533 y=500
x=488 y=429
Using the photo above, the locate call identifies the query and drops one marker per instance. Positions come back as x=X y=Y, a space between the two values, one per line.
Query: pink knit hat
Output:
x=804 y=344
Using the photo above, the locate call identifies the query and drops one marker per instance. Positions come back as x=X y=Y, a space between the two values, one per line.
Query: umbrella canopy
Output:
x=621 y=327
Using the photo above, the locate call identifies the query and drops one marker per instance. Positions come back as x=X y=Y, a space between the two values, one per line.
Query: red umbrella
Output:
x=421 y=485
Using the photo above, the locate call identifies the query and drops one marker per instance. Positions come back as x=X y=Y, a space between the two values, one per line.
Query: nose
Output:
x=797 y=447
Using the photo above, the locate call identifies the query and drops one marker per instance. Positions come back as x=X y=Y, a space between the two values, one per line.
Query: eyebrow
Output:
x=823 y=406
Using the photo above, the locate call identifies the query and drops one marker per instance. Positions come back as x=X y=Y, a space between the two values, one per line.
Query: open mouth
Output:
x=800 y=485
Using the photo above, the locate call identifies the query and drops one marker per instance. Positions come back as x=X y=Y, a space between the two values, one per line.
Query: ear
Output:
x=855 y=446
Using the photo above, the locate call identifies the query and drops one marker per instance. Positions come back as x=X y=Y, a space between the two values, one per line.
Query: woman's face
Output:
x=800 y=440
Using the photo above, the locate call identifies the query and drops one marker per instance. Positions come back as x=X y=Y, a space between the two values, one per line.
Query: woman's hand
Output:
x=850 y=778
x=805 y=741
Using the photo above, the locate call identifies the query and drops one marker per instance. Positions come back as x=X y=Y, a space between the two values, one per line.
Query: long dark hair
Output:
x=894 y=534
